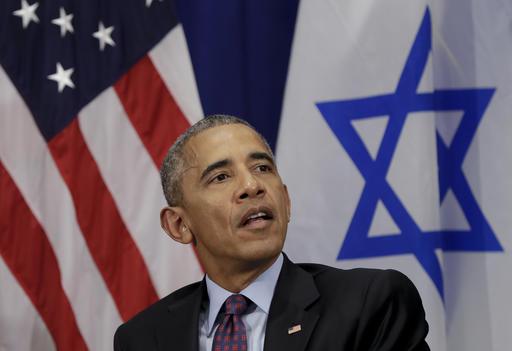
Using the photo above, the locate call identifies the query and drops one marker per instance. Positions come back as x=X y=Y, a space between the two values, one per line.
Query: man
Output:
x=227 y=199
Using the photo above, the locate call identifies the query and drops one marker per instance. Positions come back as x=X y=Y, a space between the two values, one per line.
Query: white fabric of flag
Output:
x=395 y=145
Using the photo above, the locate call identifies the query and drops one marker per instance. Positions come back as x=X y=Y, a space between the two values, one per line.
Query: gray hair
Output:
x=175 y=163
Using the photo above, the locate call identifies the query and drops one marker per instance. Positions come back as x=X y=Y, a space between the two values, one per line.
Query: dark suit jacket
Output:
x=358 y=309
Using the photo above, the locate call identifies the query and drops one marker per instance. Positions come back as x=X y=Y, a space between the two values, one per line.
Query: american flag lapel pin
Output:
x=294 y=329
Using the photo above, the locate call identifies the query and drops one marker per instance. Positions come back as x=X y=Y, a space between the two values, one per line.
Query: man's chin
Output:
x=263 y=251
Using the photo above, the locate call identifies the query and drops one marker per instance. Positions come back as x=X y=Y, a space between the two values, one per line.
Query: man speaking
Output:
x=227 y=199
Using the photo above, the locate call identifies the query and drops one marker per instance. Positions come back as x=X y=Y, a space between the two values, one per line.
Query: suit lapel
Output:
x=295 y=293
x=181 y=329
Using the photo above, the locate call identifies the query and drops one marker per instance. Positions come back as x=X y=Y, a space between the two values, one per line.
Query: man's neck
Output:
x=236 y=280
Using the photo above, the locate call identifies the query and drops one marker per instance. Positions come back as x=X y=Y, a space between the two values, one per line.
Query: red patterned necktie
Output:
x=230 y=335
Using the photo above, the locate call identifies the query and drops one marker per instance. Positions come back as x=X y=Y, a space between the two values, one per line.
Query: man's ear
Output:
x=172 y=222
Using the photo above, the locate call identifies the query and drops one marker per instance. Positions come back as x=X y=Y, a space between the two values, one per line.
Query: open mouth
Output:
x=255 y=216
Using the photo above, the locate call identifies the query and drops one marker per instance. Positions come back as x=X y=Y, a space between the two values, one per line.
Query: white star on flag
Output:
x=149 y=2
x=62 y=77
x=104 y=35
x=27 y=13
x=64 y=22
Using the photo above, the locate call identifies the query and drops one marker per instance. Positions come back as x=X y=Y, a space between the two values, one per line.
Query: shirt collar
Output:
x=260 y=291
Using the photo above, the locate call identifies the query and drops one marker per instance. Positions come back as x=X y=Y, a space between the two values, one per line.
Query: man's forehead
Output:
x=221 y=142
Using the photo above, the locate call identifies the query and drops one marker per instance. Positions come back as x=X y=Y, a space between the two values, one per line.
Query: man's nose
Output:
x=250 y=186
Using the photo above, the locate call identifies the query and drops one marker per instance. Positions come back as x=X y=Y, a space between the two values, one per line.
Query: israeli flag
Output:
x=395 y=143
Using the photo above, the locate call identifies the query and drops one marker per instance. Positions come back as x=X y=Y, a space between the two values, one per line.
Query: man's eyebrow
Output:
x=214 y=166
x=261 y=156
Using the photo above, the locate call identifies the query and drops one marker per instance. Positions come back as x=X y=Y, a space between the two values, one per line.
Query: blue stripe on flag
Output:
x=240 y=53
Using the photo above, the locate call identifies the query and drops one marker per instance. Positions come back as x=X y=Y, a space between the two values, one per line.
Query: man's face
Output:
x=234 y=202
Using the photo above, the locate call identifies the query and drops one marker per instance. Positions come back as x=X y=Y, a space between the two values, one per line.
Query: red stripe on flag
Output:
x=151 y=108
x=30 y=257
x=111 y=245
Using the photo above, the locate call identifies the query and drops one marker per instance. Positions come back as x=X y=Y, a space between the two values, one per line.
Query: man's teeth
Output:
x=256 y=215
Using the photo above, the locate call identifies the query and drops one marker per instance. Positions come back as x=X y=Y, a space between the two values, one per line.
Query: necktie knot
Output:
x=236 y=304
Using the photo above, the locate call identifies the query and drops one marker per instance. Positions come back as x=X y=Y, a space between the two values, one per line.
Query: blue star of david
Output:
x=405 y=100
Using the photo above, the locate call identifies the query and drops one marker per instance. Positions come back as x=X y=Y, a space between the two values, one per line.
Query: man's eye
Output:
x=219 y=178
x=264 y=168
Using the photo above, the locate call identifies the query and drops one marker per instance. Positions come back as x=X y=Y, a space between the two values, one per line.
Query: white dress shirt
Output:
x=260 y=291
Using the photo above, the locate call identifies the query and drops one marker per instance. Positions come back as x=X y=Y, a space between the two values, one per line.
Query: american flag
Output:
x=92 y=94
